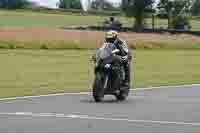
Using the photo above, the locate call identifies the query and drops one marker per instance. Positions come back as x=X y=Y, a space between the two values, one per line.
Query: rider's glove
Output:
x=124 y=58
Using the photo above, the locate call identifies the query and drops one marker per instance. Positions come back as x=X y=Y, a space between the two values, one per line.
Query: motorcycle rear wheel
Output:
x=122 y=96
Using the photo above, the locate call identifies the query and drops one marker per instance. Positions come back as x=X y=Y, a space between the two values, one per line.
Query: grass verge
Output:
x=36 y=72
x=57 y=19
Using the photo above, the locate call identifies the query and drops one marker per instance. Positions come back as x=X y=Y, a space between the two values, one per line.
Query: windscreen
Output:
x=105 y=51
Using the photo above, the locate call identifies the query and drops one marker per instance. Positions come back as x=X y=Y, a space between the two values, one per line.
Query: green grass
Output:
x=35 y=72
x=33 y=19
x=21 y=18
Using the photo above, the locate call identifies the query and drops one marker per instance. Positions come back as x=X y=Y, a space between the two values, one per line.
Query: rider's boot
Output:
x=126 y=82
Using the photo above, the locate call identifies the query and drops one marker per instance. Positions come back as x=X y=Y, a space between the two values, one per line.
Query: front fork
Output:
x=106 y=82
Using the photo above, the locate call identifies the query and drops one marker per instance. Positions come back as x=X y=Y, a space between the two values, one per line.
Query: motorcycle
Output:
x=109 y=74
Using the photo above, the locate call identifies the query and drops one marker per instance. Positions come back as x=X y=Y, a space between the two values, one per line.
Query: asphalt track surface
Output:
x=161 y=110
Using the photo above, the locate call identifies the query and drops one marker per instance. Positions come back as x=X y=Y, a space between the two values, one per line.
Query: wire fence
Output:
x=163 y=24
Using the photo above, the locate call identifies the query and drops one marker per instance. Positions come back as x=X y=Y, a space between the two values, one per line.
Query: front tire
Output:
x=98 y=92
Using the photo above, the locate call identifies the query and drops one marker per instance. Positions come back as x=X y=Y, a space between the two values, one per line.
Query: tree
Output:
x=13 y=4
x=175 y=10
x=102 y=5
x=97 y=4
x=70 y=4
x=165 y=7
x=196 y=8
x=137 y=8
x=124 y=4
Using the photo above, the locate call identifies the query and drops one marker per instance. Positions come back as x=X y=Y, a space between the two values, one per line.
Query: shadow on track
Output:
x=108 y=100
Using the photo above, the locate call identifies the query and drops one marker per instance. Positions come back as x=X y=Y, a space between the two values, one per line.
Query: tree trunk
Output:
x=169 y=20
x=139 y=22
x=124 y=4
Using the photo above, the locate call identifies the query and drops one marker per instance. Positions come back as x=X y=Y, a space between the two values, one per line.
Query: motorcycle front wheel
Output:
x=98 y=90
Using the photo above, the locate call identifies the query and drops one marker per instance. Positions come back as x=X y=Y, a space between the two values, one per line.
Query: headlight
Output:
x=107 y=65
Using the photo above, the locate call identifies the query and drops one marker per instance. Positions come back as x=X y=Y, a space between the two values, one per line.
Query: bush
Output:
x=43 y=46
x=181 y=23
x=105 y=13
x=13 y=4
x=70 y=4
x=75 y=11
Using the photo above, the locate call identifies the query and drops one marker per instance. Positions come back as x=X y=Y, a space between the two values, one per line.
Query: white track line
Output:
x=87 y=93
x=160 y=87
x=49 y=95
x=85 y=117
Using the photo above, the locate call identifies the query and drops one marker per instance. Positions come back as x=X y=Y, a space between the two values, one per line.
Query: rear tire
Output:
x=122 y=96
x=98 y=92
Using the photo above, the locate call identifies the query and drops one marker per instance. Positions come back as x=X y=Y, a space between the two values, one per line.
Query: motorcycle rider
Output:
x=124 y=54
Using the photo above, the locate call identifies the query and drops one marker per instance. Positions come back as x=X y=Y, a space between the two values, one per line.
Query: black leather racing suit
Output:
x=125 y=56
